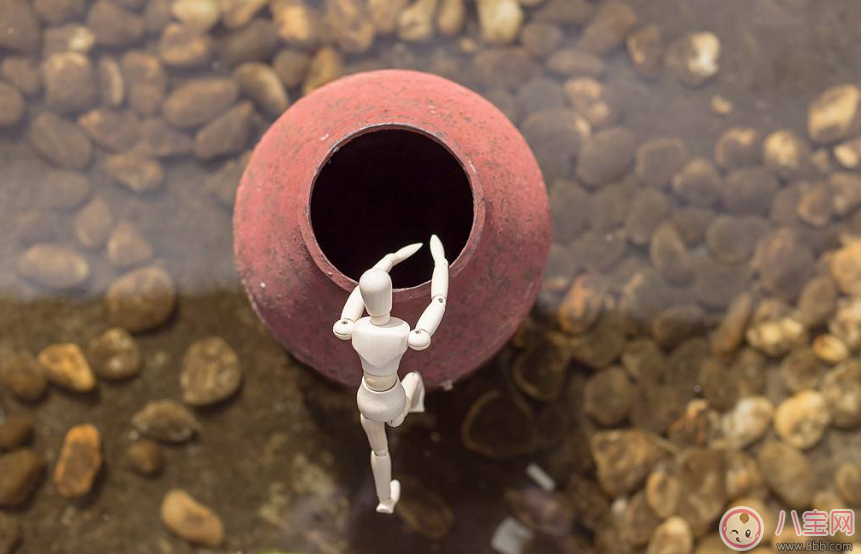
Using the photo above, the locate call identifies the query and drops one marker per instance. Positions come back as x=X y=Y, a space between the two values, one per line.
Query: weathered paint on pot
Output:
x=299 y=293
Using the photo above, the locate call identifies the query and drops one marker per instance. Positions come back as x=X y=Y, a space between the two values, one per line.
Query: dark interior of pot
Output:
x=384 y=190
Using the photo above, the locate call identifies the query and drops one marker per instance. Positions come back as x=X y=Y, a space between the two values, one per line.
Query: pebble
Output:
x=326 y=66
x=503 y=67
x=788 y=474
x=845 y=323
x=742 y=474
x=676 y=323
x=182 y=46
x=146 y=81
x=814 y=206
x=22 y=72
x=601 y=345
x=237 y=13
x=499 y=20
x=729 y=335
x=56 y=12
x=570 y=62
x=93 y=224
x=847 y=482
x=53 y=266
x=801 y=420
x=835 y=115
x=384 y=14
x=841 y=389
x=11 y=105
x=845 y=265
x=191 y=520
x=801 y=370
x=693 y=59
x=157 y=16
x=739 y=147
x=80 y=461
x=539 y=94
x=673 y=536
x=731 y=240
x=540 y=38
x=775 y=333
x=783 y=262
x=565 y=12
x=698 y=183
x=136 y=172
x=608 y=28
x=66 y=367
x=255 y=42
x=210 y=372
x=593 y=101
x=112 y=88
x=569 y=207
x=658 y=160
x=451 y=17
x=721 y=105
x=624 y=458
x=21 y=30
x=643 y=360
x=555 y=136
x=36 y=227
x=350 y=26
x=261 y=83
x=202 y=15
x=223 y=183
x=21 y=472
x=606 y=156
x=646 y=50
x=423 y=511
x=582 y=304
x=71 y=38
x=145 y=458
x=416 y=22
x=499 y=428
x=830 y=349
x=166 y=421
x=10 y=534
x=848 y=153
x=608 y=396
x=669 y=255
x=141 y=300
x=160 y=140
x=199 y=101
x=608 y=207
x=291 y=66
x=298 y=24
x=845 y=192
x=60 y=141
x=113 y=25
x=716 y=285
x=15 y=432
x=127 y=248
x=225 y=135
x=785 y=154
x=22 y=375
x=540 y=371
x=114 y=355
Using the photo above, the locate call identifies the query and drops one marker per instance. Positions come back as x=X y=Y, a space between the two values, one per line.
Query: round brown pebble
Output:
x=608 y=28
x=835 y=115
x=21 y=472
x=199 y=101
x=801 y=420
x=423 y=510
x=113 y=25
x=658 y=160
x=670 y=256
x=738 y=147
x=673 y=536
x=15 y=432
x=111 y=129
x=582 y=305
x=22 y=72
x=693 y=58
x=80 y=461
x=646 y=50
x=11 y=105
x=841 y=390
x=788 y=474
x=606 y=156
x=114 y=355
x=145 y=458
x=225 y=135
x=66 y=367
x=698 y=183
x=93 y=224
x=21 y=30
x=141 y=300
x=54 y=267
x=70 y=82
x=847 y=482
x=22 y=375
x=191 y=520
x=136 y=172
x=624 y=459
x=60 y=141
x=127 y=248
x=166 y=421
x=210 y=372
x=146 y=81
x=749 y=191
x=608 y=396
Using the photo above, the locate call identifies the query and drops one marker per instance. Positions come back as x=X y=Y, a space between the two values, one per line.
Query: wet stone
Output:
x=555 y=136
x=742 y=474
x=22 y=72
x=144 y=457
x=830 y=349
x=136 y=172
x=624 y=459
x=742 y=426
x=847 y=482
x=662 y=494
x=541 y=370
x=775 y=331
x=848 y=153
x=788 y=474
x=749 y=191
x=698 y=183
x=55 y=12
x=693 y=59
x=10 y=534
x=199 y=101
x=609 y=207
x=191 y=520
x=60 y=141
x=505 y=67
x=657 y=406
x=498 y=428
x=15 y=432
x=601 y=345
x=146 y=81
x=499 y=20
x=141 y=300
x=845 y=323
x=570 y=210
x=644 y=296
x=801 y=370
x=845 y=191
x=658 y=160
x=815 y=206
x=676 y=323
x=160 y=140
x=730 y=333
x=21 y=31
x=11 y=105
x=846 y=268
x=608 y=396
x=545 y=512
x=801 y=420
x=223 y=183
x=716 y=285
x=565 y=12
x=54 y=267
x=80 y=461
x=71 y=38
x=582 y=305
x=66 y=367
x=817 y=301
x=255 y=42
x=291 y=66
x=198 y=14
x=36 y=227
x=606 y=156
x=384 y=14
x=643 y=359
x=21 y=472
x=114 y=355
x=738 y=147
x=691 y=223
x=646 y=50
x=647 y=210
x=540 y=38
x=731 y=240
x=423 y=511
x=451 y=17
x=127 y=248
x=608 y=28
x=416 y=21
x=22 y=375
x=93 y=224
x=841 y=389
x=237 y=13
x=593 y=101
x=835 y=115
x=113 y=25
x=571 y=62
x=539 y=94
x=157 y=16
x=260 y=83
x=181 y=46
x=298 y=24
x=226 y=135
x=669 y=255
x=112 y=88
x=673 y=536
x=783 y=262
x=785 y=154
x=166 y=421
x=210 y=372
x=326 y=66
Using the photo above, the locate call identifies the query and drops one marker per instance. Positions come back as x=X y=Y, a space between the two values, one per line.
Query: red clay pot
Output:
x=368 y=164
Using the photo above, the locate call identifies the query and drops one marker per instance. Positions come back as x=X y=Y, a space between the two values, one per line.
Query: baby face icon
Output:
x=741 y=528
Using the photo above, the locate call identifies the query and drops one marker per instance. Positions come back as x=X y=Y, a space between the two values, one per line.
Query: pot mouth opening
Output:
x=386 y=187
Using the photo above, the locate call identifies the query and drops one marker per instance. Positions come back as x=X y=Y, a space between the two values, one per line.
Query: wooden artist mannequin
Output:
x=381 y=341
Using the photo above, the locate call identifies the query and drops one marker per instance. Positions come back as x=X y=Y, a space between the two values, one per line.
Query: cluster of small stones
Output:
x=698 y=330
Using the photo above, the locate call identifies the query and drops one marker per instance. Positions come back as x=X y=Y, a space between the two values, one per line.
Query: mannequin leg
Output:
x=388 y=491
x=414 y=386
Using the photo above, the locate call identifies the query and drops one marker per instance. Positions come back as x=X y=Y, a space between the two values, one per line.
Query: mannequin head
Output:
x=376 y=288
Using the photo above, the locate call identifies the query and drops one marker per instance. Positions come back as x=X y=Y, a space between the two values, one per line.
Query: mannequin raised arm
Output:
x=430 y=319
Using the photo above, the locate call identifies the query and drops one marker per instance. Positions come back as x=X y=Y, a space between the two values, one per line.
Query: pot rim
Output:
x=478 y=212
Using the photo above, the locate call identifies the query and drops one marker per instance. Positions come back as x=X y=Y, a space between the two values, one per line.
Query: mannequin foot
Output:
x=388 y=506
x=418 y=406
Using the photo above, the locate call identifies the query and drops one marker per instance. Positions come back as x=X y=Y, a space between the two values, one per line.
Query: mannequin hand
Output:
x=343 y=329
x=437 y=251
x=419 y=340
x=393 y=259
